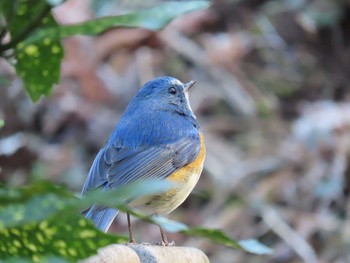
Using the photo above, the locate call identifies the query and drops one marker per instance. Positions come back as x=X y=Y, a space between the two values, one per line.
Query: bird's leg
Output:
x=131 y=238
x=165 y=241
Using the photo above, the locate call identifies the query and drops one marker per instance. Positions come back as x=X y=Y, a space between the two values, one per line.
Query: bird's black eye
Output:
x=172 y=90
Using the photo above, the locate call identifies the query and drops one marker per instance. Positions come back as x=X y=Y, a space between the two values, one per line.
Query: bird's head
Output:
x=167 y=93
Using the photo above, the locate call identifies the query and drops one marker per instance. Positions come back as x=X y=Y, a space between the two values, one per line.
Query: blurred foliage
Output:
x=37 y=48
x=42 y=220
x=250 y=245
x=153 y=19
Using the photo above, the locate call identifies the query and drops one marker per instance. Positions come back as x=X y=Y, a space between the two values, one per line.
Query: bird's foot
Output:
x=131 y=242
x=165 y=243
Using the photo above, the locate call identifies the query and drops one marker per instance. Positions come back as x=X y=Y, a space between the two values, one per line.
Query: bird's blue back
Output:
x=151 y=129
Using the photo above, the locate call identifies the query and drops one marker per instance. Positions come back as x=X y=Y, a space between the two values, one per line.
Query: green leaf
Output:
x=41 y=200
x=2 y=123
x=169 y=225
x=34 y=210
x=38 y=64
x=43 y=259
x=214 y=235
x=252 y=246
x=42 y=220
x=154 y=19
x=69 y=236
x=39 y=54
x=255 y=247
x=9 y=196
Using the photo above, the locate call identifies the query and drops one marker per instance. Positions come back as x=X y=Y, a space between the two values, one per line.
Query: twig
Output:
x=269 y=215
x=289 y=235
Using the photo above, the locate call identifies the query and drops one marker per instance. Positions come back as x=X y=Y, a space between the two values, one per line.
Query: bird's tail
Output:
x=102 y=216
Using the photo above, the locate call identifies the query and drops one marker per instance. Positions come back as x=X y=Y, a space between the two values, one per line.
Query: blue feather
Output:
x=102 y=217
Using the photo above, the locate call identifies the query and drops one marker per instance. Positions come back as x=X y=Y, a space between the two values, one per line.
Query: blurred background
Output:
x=271 y=96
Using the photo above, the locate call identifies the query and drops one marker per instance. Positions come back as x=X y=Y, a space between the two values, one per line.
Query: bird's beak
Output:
x=188 y=85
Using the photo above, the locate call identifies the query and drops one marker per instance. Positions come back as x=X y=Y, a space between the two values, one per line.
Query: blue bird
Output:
x=157 y=137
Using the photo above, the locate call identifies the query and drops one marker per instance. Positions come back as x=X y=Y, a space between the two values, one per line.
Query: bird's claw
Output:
x=165 y=244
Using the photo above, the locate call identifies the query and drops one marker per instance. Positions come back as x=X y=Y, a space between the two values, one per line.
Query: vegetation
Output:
x=41 y=221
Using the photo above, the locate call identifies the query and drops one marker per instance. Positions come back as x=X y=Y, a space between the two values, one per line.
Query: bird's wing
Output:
x=97 y=174
x=117 y=166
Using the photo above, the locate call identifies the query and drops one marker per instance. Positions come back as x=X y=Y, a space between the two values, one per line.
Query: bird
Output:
x=157 y=137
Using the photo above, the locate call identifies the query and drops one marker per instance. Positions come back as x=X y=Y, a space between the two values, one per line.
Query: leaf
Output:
x=118 y=197
x=36 y=209
x=69 y=236
x=169 y=225
x=10 y=196
x=42 y=220
x=213 y=235
x=40 y=54
x=322 y=13
x=153 y=19
x=38 y=64
x=2 y=123
x=255 y=247
x=41 y=200
x=251 y=245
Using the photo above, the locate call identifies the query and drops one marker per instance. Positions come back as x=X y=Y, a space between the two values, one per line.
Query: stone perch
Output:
x=138 y=253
